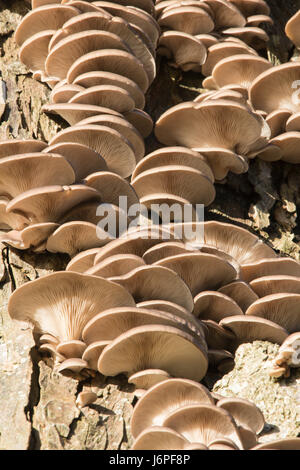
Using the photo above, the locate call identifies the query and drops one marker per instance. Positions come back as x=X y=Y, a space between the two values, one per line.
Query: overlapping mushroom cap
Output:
x=52 y=197
x=181 y=414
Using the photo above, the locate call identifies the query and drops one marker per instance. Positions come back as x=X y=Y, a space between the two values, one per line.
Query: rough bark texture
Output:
x=37 y=406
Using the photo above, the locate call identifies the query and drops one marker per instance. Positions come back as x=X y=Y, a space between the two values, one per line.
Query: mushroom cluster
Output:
x=51 y=197
x=233 y=284
x=221 y=127
x=275 y=93
x=180 y=414
x=292 y=29
x=195 y=31
x=99 y=58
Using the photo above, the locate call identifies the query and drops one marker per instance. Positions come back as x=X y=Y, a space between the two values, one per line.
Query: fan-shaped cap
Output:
x=73 y=113
x=111 y=186
x=211 y=305
x=270 y=267
x=203 y=424
x=244 y=412
x=253 y=36
x=83 y=261
x=292 y=29
x=155 y=347
x=141 y=121
x=225 y=15
x=43 y=18
x=50 y=203
x=48 y=302
x=163 y=398
x=251 y=328
x=85 y=398
x=34 y=50
x=282 y=309
x=160 y=437
x=220 y=51
x=280 y=444
x=18 y=147
x=240 y=291
x=107 y=96
x=275 y=284
x=109 y=143
x=252 y=7
x=191 y=124
x=117 y=265
x=31 y=237
x=222 y=161
x=183 y=50
x=273 y=88
x=289 y=145
x=147 y=378
x=188 y=19
x=155 y=283
x=74 y=365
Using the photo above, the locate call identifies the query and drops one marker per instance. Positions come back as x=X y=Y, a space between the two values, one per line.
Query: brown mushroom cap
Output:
x=18 y=147
x=71 y=349
x=117 y=265
x=251 y=328
x=188 y=19
x=289 y=145
x=240 y=69
x=34 y=50
x=75 y=365
x=46 y=302
x=159 y=437
x=72 y=113
x=252 y=7
x=211 y=305
x=63 y=93
x=200 y=271
x=111 y=186
x=275 y=284
x=147 y=378
x=31 y=237
x=270 y=267
x=282 y=309
x=292 y=29
x=253 y=36
x=182 y=49
x=155 y=347
x=85 y=398
x=241 y=293
x=258 y=20
x=277 y=121
x=222 y=161
x=110 y=60
x=163 y=398
x=83 y=261
x=273 y=88
x=155 y=283
x=204 y=424
x=92 y=353
x=164 y=250
x=190 y=124
x=109 y=143
x=220 y=51
x=244 y=412
x=43 y=18
x=107 y=96
x=280 y=444
x=50 y=203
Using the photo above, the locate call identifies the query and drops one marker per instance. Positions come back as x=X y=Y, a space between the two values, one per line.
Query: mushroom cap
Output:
x=147 y=378
x=121 y=125
x=110 y=324
x=174 y=156
x=240 y=69
x=200 y=271
x=43 y=18
x=244 y=412
x=83 y=261
x=188 y=19
x=184 y=50
x=83 y=160
x=282 y=309
x=92 y=353
x=33 y=52
x=270 y=267
x=109 y=143
x=164 y=398
x=220 y=51
x=111 y=60
x=211 y=305
x=222 y=161
x=18 y=147
x=289 y=145
x=159 y=437
x=252 y=7
x=71 y=349
x=218 y=337
x=292 y=29
x=164 y=250
x=273 y=89
x=31 y=237
x=275 y=284
x=63 y=93
x=225 y=14
x=218 y=123
x=280 y=444
x=204 y=424
x=241 y=293
x=91 y=79
x=75 y=365
x=277 y=121
x=85 y=398
x=292 y=123
x=117 y=265
x=248 y=328
x=19 y=173
x=50 y=203
x=107 y=96
x=156 y=283
x=252 y=35
x=73 y=113
x=111 y=186
x=75 y=236
x=179 y=180
x=155 y=347
x=63 y=302
x=258 y=20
